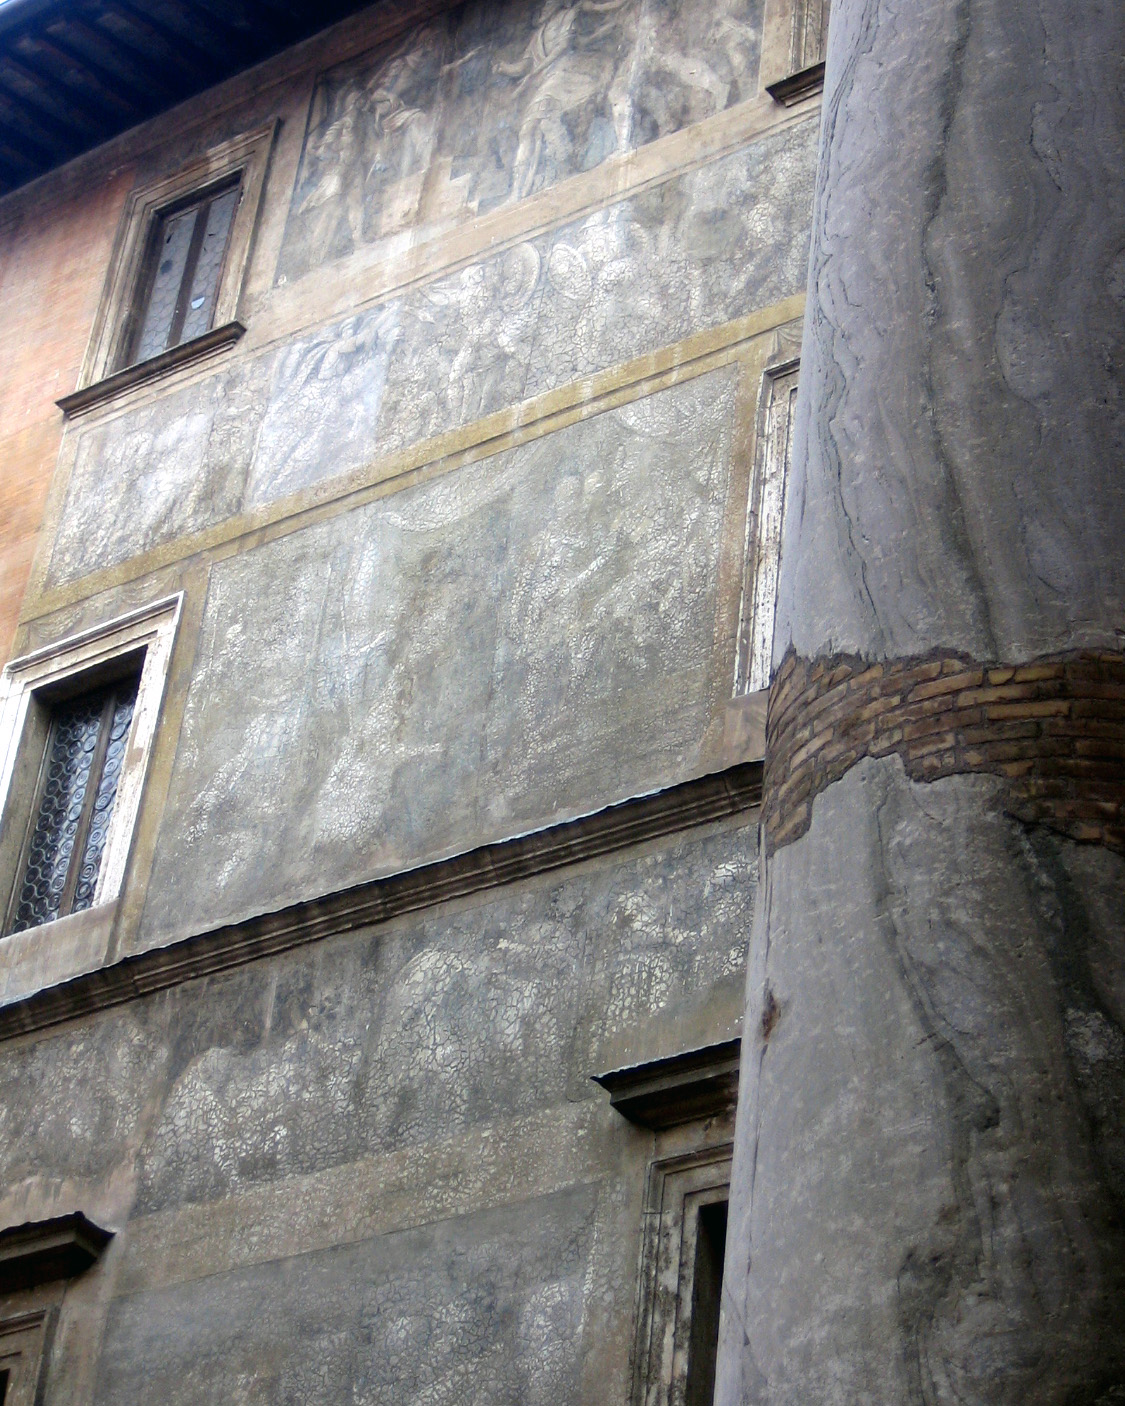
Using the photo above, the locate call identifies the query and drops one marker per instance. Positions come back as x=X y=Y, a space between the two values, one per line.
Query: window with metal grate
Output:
x=86 y=747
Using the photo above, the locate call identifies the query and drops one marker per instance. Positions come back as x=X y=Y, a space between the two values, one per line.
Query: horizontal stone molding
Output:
x=679 y=1088
x=1052 y=728
x=541 y=415
x=690 y=803
x=39 y=1251
x=141 y=372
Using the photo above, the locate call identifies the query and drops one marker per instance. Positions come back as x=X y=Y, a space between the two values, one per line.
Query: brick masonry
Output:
x=1054 y=729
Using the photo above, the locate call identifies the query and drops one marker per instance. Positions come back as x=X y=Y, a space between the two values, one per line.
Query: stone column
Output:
x=929 y=1194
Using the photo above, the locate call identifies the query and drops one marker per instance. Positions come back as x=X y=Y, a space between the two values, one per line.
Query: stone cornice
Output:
x=691 y=803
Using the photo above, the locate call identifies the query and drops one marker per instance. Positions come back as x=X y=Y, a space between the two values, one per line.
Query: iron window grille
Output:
x=77 y=722
x=86 y=747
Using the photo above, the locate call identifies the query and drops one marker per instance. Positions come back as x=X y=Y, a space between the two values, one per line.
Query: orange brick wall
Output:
x=54 y=249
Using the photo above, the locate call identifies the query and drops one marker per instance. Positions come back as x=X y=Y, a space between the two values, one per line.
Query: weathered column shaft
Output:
x=929 y=1192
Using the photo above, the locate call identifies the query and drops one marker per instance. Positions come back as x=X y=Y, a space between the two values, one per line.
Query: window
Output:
x=795 y=48
x=810 y=34
x=707 y=1285
x=681 y=1278
x=76 y=724
x=21 y=1353
x=86 y=744
x=180 y=282
x=763 y=528
x=36 y=1260
x=689 y=1099
x=174 y=286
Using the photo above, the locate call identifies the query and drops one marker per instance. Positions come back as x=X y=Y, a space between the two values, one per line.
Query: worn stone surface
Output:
x=696 y=252
x=928 y=1194
x=961 y=370
x=933 y=1129
x=436 y=1022
x=529 y=637
x=486 y=1308
x=491 y=103
x=375 y=1168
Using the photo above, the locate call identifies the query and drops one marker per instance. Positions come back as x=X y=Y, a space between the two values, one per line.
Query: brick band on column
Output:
x=1054 y=729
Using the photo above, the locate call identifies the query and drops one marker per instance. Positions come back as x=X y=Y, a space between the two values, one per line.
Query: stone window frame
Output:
x=678 y=1187
x=26 y=684
x=762 y=556
x=792 y=58
x=245 y=158
x=22 y=1341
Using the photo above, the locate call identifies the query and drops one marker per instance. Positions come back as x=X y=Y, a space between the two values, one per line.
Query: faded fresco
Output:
x=374 y=1168
x=693 y=253
x=526 y=638
x=485 y=1308
x=495 y=101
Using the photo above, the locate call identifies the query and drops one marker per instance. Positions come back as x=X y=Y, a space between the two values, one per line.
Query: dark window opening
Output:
x=180 y=283
x=86 y=746
x=707 y=1285
x=3 y=1386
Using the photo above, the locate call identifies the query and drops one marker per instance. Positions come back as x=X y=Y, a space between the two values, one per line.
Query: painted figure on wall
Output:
x=495 y=102
x=367 y=131
x=560 y=70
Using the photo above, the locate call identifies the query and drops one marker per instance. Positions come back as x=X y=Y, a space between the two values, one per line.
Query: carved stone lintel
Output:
x=39 y=1251
x=682 y=1087
x=794 y=87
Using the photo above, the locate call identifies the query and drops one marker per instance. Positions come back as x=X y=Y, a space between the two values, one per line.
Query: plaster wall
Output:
x=379 y=1165
x=548 y=388
x=461 y=527
x=53 y=254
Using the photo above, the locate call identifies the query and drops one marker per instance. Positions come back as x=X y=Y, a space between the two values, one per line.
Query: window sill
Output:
x=55 y=952
x=157 y=366
x=796 y=86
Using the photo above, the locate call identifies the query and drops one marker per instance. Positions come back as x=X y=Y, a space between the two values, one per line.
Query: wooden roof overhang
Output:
x=74 y=73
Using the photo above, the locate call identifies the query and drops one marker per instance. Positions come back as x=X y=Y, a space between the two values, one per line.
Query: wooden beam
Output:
x=77 y=75
x=15 y=167
x=97 y=49
x=183 y=53
x=50 y=139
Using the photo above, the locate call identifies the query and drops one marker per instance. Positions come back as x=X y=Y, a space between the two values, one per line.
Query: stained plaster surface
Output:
x=527 y=638
x=935 y=1123
x=487 y=1308
x=957 y=460
x=490 y=103
x=456 y=1038
x=696 y=252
